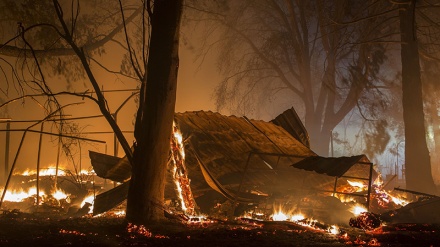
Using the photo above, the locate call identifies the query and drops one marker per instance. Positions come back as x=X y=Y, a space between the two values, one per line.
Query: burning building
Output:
x=246 y=165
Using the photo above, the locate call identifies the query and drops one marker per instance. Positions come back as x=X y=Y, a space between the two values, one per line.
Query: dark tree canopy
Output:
x=301 y=54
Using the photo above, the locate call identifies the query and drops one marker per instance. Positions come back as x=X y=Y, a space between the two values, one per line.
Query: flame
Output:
x=279 y=216
x=89 y=199
x=300 y=219
x=21 y=195
x=358 y=185
x=333 y=230
x=50 y=171
x=399 y=201
x=180 y=173
x=378 y=181
x=345 y=198
x=384 y=197
x=179 y=140
x=179 y=191
x=297 y=217
x=59 y=194
x=87 y=172
x=358 y=209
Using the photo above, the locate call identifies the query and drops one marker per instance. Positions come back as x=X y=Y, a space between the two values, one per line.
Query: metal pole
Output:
x=12 y=168
x=115 y=116
x=58 y=162
x=80 y=162
x=8 y=139
x=334 y=187
x=115 y=139
x=331 y=141
x=397 y=160
x=369 y=186
x=38 y=164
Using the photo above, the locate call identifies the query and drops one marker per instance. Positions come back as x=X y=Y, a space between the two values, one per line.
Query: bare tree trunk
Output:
x=435 y=123
x=146 y=192
x=417 y=161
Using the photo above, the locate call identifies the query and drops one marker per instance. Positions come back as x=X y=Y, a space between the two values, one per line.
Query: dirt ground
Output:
x=19 y=229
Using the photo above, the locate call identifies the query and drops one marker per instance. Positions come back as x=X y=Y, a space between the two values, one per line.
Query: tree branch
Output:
x=102 y=103
x=13 y=51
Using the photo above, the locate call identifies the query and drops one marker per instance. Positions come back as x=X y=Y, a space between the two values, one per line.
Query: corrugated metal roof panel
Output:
x=291 y=122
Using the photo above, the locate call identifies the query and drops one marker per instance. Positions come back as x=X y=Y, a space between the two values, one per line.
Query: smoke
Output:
x=376 y=138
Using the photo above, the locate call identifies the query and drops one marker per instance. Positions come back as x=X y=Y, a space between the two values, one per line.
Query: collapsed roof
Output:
x=243 y=160
x=291 y=122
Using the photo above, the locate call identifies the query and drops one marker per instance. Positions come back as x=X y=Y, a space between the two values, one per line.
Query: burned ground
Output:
x=20 y=229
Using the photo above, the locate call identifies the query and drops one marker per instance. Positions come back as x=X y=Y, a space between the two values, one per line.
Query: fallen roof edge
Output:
x=332 y=166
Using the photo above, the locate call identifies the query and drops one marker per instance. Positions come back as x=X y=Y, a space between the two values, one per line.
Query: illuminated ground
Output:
x=29 y=230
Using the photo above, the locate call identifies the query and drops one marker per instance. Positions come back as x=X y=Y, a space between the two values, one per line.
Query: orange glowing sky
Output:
x=196 y=84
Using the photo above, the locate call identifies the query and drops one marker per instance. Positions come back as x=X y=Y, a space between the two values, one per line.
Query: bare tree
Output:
x=155 y=115
x=428 y=27
x=157 y=54
x=300 y=51
x=417 y=166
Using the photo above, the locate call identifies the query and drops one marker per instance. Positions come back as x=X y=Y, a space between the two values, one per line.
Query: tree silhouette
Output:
x=62 y=38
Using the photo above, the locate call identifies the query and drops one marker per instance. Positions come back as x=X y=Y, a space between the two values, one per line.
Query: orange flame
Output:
x=358 y=209
x=180 y=173
x=49 y=171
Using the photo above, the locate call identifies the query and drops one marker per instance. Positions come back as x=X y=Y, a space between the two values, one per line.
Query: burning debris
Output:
x=57 y=192
x=366 y=221
x=242 y=167
x=180 y=172
x=236 y=166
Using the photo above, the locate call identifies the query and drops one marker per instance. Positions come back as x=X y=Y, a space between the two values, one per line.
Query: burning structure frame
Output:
x=244 y=161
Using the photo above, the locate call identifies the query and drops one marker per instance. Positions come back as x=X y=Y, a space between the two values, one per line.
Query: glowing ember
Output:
x=373 y=242
x=366 y=221
x=119 y=213
x=180 y=173
x=358 y=209
x=142 y=231
x=198 y=220
x=62 y=231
